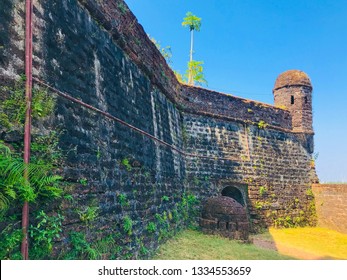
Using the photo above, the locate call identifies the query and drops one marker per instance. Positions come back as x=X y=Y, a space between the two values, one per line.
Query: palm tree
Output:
x=194 y=23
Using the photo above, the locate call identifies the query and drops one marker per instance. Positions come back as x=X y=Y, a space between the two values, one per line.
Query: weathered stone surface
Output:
x=274 y=165
x=293 y=92
x=225 y=216
x=214 y=104
x=331 y=205
x=292 y=78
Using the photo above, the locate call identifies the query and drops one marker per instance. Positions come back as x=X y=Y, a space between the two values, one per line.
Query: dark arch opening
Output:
x=234 y=193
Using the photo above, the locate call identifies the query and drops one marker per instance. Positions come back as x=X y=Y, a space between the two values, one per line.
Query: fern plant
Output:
x=14 y=185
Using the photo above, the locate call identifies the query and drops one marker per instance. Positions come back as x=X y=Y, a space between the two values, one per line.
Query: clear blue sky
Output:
x=246 y=44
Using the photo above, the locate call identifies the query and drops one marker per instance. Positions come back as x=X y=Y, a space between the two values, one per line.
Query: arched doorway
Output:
x=234 y=193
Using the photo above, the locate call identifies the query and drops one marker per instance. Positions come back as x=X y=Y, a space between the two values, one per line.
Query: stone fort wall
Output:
x=331 y=205
x=207 y=143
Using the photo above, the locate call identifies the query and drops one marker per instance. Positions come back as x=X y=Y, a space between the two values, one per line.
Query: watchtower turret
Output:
x=293 y=91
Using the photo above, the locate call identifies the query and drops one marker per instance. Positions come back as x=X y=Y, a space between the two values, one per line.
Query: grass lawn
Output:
x=194 y=245
x=295 y=243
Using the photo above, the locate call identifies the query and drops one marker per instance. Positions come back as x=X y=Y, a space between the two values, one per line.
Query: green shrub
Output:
x=151 y=227
x=43 y=234
x=127 y=225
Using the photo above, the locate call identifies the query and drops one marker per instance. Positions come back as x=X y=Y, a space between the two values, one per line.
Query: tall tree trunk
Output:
x=190 y=76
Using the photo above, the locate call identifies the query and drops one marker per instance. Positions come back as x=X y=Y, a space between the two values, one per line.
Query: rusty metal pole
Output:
x=27 y=127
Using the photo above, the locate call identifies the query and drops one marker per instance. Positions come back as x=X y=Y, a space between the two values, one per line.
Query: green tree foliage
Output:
x=194 y=23
x=195 y=69
x=165 y=51
x=179 y=77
